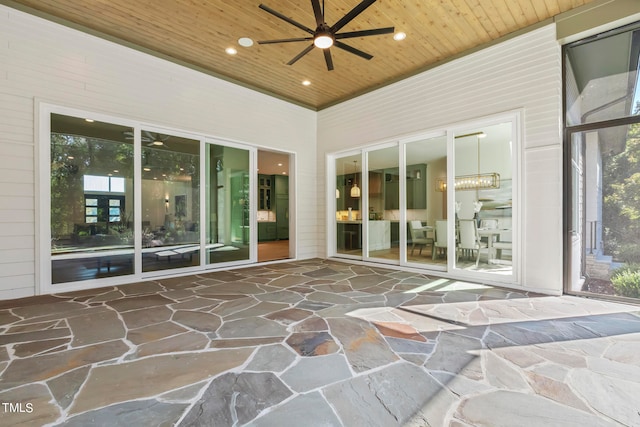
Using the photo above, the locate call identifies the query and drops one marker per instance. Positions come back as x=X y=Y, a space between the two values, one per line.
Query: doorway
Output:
x=273 y=205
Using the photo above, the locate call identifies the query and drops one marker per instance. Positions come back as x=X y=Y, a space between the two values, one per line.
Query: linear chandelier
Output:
x=479 y=181
x=471 y=182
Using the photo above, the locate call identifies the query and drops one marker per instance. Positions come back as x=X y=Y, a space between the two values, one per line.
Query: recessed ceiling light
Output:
x=116 y=171
x=306 y=82
x=399 y=36
x=231 y=51
x=146 y=169
x=279 y=164
x=245 y=42
x=88 y=120
x=284 y=173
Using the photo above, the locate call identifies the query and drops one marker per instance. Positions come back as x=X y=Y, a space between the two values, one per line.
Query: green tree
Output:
x=621 y=192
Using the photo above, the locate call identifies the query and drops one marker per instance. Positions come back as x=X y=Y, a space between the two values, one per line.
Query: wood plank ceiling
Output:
x=197 y=32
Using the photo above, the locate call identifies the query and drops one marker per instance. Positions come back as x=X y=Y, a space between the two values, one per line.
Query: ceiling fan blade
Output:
x=285 y=18
x=317 y=12
x=328 y=59
x=298 y=39
x=301 y=54
x=353 y=50
x=365 y=33
x=352 y=14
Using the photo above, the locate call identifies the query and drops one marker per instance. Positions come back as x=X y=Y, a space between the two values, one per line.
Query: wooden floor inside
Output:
x=272 y=251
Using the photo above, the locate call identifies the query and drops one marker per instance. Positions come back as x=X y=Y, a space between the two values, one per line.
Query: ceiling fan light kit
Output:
x=325 y=36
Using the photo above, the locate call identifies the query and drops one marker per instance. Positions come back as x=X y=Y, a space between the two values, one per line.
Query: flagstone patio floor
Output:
x=317 y=343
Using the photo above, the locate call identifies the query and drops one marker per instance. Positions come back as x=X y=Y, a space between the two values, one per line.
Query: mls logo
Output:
x=17 y=407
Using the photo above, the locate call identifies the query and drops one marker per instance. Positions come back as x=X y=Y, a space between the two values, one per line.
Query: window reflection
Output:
x=91 y=177
x=170 y=201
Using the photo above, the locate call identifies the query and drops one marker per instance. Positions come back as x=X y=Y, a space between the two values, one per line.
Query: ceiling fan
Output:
x=150 y=138
x=325 y=36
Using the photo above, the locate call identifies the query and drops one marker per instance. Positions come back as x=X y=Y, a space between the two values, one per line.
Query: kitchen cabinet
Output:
x=264 y=192
x=349 y=235
x=267 y=231
x=392 y=189
x=281 y=183
x=273 y=195
x=416 y=186
x=282 y=216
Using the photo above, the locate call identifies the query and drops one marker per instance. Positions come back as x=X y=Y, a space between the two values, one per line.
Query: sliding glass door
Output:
x=483 y=186
x=383 y=197
x=426 y=200
x=91 y=199
x=170 y=222
x=125 y=201
x=348 y=214
x=228 y=204
x=445 y=201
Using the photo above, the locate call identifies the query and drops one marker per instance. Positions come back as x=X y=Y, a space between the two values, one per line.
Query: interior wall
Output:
x=44 y=61
x=522 y=73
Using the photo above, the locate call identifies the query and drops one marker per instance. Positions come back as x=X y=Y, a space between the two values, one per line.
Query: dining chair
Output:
x=490 y=224
x=419 y=236
x=440 y=241
x=470 y=239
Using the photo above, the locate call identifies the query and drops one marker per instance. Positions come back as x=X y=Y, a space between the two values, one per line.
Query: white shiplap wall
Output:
x=43 y=61
x=522 y=73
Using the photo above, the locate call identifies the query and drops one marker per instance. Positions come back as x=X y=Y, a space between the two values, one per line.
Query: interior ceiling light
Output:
x=279 y=164
x=355 y=190
x=157 y=143
x=399 y=36
x=231 y=51
x=89 y=120
x=306 y=82
x=245 y=42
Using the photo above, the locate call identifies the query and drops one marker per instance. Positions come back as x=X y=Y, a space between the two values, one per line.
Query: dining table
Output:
x=493 y=236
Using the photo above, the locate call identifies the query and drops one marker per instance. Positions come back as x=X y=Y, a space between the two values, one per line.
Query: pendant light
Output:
x=355 y=191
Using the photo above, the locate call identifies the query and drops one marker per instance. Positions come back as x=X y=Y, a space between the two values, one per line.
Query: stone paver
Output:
x=317 y=343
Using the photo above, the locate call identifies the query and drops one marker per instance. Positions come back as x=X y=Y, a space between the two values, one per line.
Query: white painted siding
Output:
x=43 y=61
x=523 y=73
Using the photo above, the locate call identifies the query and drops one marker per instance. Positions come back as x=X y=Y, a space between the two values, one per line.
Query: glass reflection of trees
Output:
x=73 y=157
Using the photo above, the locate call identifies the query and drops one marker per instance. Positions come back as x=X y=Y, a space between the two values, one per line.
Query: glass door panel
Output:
x=483 y=200
x=170 y=201
x=426 y=195
x=383 y=220
x=91 y=199
x=348 y=205
x=605 y=208
x=228 y=207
